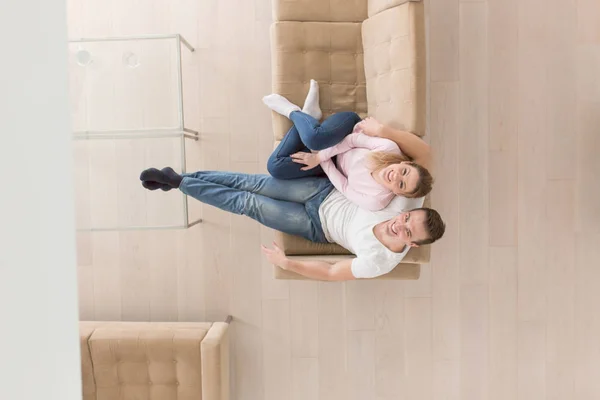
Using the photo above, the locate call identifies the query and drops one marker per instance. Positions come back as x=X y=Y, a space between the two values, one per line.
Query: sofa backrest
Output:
x=394 y=54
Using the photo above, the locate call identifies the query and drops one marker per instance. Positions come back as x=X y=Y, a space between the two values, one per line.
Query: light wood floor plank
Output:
x=305 y=379
x=560 y=345
x=586 y=368
x=532 y=179
x=277 y=360
x=588 y=21
x=473 y=200
x=304 y=319
x=361 y=364
x=503 y=121
x=587 y=166
x=164 y=249
x=503 y=323
x=532 y=367
x=333 y=364
x=533 y=50
x=444 y=40
x=562 y=83
x=445 y=266
x=135 y=277
x=418 y=348
x=390 y=352
x=107 y=277
x=360 y=304
x=247 y=361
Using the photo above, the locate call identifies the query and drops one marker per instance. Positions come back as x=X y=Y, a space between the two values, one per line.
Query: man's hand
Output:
x=275 y=256
x=370 y=126
x=311 y=160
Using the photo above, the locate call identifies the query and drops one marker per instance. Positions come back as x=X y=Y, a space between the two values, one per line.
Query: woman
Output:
x=371 y=170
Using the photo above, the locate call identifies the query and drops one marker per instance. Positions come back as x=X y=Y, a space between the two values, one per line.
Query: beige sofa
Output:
x=369 y=57
x=154 y=360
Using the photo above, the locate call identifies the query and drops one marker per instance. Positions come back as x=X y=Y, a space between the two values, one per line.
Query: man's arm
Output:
x=410 y=144
x=321 y=270
x=318 y=270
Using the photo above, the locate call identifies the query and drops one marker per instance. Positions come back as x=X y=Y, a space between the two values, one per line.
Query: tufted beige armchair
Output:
x=155 y=360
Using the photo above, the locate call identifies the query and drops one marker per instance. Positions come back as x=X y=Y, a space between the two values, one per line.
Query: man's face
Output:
x=405 y=229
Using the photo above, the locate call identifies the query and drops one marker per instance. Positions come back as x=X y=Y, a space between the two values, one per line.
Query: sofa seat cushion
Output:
x=295 y=245
x=394 y=50
x=147 y=361
x=330 y=53
x=320 y=10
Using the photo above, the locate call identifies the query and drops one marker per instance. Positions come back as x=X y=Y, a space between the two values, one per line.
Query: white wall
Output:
x=39 y=346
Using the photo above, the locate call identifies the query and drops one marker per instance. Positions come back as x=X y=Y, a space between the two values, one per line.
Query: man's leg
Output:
x=248 y=195
x=297 y=190
x=321 y=136
x=280 y=164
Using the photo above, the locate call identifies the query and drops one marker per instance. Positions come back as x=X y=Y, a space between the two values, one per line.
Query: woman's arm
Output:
x=340 y=182
x=410 y=144
x=361 y=140
x=358 y=140
x=342 y=147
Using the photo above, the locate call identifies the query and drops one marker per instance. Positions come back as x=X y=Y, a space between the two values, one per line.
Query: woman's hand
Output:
x=370 y=126
x=311 y=160
x=276 y=256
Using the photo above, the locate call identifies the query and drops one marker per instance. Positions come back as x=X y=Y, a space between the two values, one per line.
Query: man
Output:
x=313 y=209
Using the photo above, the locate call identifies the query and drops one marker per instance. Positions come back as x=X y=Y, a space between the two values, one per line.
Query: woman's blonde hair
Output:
x=381 y=159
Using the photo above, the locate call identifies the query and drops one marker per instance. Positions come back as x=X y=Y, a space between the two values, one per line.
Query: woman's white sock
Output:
x=311 y=104
x=280 y=104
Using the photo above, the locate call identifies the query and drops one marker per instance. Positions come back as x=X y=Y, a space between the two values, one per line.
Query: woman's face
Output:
x=402 y=178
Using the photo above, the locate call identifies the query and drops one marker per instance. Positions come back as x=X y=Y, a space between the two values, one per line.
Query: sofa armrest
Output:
x=403 y=271
x=320 y=10
x=377 y=6
x=214 y=350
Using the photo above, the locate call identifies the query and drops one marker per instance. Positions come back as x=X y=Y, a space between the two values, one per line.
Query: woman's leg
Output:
x=329 y=133
x=275 y=204
x=280 y=164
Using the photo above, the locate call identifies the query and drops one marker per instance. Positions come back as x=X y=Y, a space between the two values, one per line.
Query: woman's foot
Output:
x=280 y=104
x=311 y=104
x=165 y=176
x=151 y=185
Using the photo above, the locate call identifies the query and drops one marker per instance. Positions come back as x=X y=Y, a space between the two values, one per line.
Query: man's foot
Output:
x=311 y=104
x=166 y=176
x=280 y=104
x=150 y=185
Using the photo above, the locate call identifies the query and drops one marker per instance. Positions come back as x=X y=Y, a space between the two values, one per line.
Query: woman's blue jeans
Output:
x=290 y=206
x=306 y=135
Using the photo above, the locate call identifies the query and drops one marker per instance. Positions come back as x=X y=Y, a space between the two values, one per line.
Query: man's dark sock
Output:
x=150 y=185
x=152 y=175
x=166 y=176
x=173 y=178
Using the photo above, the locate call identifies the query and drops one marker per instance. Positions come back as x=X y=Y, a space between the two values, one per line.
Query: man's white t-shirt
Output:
x=351 y=227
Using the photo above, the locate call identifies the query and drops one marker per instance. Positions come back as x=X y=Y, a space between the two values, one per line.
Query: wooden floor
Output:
x=508 y=307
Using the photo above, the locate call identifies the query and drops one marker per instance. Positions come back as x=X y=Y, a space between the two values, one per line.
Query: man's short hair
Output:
x=434 y=225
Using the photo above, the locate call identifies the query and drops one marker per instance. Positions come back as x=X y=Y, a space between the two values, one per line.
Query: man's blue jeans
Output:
x=306 y=135
x=290 y=206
